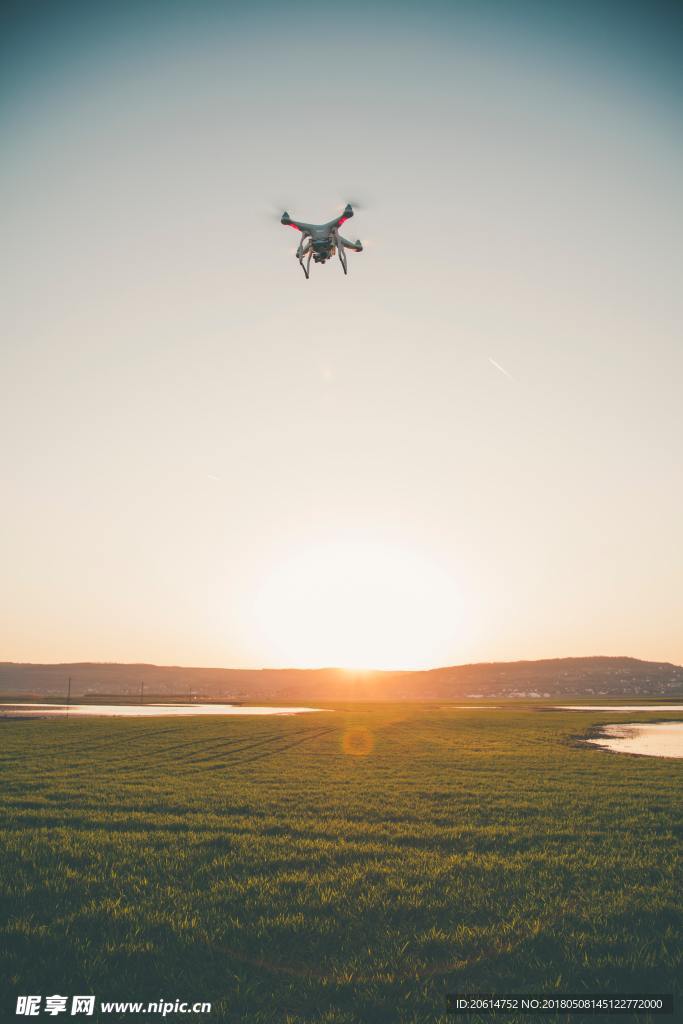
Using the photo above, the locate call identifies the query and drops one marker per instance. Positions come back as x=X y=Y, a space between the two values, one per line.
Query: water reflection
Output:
x=140 y=710
x=620 y=707
x=656 y=739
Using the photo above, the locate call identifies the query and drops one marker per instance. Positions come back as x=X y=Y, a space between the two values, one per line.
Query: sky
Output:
x=469 y=449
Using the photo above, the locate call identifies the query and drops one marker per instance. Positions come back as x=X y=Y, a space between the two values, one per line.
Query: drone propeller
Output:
x=357 y=204
x=275 y=212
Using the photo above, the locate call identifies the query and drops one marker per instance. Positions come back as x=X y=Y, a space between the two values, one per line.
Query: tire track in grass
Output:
x=221 y=744
x=189 y=761
x=304 y=733
x=154 y=757
x=84 y=749
x=157 y=755
x=270 y=753
x=230 y=748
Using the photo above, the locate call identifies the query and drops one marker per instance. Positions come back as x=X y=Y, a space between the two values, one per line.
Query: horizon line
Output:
x=343 y=669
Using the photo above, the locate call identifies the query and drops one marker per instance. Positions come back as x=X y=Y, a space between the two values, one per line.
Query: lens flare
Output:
x=358 y=742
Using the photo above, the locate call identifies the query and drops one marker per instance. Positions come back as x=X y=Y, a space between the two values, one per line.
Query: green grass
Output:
x=253 y=863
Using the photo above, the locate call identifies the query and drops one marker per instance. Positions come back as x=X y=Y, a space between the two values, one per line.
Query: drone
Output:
x=320 y=241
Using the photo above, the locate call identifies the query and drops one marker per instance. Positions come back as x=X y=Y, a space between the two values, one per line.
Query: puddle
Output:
x=139 y=710
x=658 y=739
x=619 y=707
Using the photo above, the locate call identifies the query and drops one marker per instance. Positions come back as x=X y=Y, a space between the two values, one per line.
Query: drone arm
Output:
x=299 y=225
x=338 y=221
x=356 y=246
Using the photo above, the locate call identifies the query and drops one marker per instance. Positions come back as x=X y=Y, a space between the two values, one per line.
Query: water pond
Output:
x=619 y=707
x=140 y=710
x=655 y=739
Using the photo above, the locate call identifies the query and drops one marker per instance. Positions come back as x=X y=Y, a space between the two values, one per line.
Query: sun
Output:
x=358 y=605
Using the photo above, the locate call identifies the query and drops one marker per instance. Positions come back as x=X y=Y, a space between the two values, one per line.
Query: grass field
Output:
x=347 y=867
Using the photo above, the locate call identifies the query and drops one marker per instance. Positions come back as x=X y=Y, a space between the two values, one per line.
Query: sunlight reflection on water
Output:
x=619 y=707
x=143 y=710
x=656 y=739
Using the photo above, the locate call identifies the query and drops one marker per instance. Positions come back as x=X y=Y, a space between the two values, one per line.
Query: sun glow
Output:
x=359 y=605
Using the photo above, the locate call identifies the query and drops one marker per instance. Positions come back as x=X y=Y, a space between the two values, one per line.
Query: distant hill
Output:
x=556 y=677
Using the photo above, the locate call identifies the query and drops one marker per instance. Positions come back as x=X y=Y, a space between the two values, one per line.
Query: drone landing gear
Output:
x=307 y=268
x=301 y=253
x=342 y=259
x=340 y=249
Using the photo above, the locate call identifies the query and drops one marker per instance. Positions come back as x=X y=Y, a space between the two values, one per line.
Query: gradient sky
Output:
x=468 y=449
